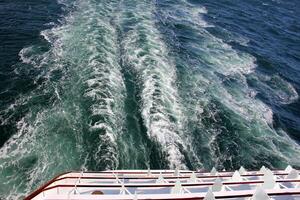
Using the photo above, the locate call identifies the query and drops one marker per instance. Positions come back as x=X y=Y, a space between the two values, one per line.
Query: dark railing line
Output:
x=165 y=172
x=41 y=189
x=153 y=178
x=251 y=194
x=162 y=185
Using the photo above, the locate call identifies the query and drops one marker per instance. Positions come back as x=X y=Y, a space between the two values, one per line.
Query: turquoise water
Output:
x=132 y=84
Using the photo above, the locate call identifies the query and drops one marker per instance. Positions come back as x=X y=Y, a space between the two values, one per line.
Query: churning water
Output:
x=95 y=85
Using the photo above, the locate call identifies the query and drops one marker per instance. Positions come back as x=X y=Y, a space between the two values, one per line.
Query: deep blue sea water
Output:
x=94 y=85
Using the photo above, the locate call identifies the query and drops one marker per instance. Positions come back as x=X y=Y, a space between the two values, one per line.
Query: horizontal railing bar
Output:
x=165 y=177
x=166 y=185
x=188 y=196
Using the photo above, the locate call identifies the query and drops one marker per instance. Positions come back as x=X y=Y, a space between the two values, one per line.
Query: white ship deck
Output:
x=172 y=184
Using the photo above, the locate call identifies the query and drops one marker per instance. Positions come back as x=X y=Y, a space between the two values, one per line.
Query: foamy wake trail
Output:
x=230 y=126
x=105 y=83
x=88 y=42
x=147 y=56
x=76 y=114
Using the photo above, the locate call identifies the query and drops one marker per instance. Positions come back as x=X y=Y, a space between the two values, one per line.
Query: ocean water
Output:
x=133 y=84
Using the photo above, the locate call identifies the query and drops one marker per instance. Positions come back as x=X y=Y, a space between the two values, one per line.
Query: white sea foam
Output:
x=215 y=82
x=276 y=88
x=51 y=137
x=147 y=55
x=97 y=40
x=27 y=56
x=188 y=14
